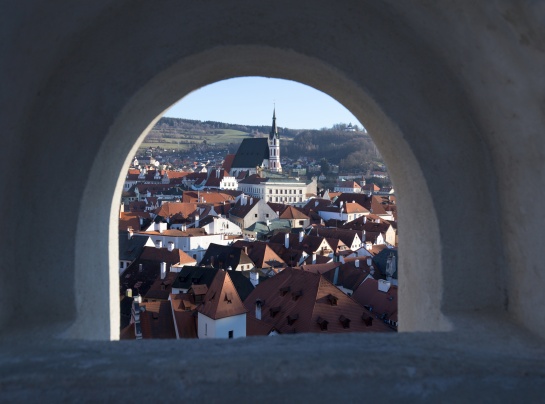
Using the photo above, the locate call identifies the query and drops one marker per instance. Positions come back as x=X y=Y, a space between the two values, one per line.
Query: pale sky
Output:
x=250 y=100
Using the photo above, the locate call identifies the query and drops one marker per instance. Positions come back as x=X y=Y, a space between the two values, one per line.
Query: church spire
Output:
x=274 y=147
x=274 y=129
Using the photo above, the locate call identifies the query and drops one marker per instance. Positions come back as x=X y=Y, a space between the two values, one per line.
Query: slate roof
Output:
x=296 y=301
x=251 y=153
x=222 y=299
x=130 y=249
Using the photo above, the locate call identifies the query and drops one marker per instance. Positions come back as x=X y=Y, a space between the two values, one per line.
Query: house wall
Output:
x=209 y=328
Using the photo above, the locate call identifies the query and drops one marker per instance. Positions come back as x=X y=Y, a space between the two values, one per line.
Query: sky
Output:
x=250 y=101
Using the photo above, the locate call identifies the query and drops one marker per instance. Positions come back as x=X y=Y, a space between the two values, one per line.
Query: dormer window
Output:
x=292 y=318
x=344 y=321
x=273 y=311
x=368 y=320
x=332 y=299
x=228 y=297
x=297 y=295
x=284 y=290
x=322 y=323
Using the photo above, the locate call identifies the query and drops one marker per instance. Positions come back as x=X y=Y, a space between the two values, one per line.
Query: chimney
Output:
x=314 y=258
x=383 y=285
x=287 y=240
x=369 y=262
x=128 y=292
x=197 y=220
x=140 y=268
x=336 y=276
x=170 y=246
x=258 y=304
x=357 y=263
x=131 y=232
x=301 y=235
x=364 y=219
x=163 y=270
x=254 y=278
x=158 y=243
x=251 y=201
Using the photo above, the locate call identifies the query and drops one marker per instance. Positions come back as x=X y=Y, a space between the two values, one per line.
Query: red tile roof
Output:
x=301 y=301
x=222 y=299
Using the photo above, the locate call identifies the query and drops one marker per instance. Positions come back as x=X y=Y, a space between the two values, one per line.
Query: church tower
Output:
x=274 y=147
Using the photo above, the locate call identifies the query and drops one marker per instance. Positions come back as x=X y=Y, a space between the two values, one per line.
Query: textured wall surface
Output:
x=452 y=95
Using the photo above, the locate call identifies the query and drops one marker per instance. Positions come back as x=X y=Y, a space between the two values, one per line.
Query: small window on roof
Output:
x=322 y=323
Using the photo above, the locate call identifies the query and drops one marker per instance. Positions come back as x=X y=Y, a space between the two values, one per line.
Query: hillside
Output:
x=350 y=150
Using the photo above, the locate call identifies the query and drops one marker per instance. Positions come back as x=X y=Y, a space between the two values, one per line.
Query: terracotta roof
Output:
x=164 y=255
x=161 y=288
x=380 y=303
x=347 y=236
x=353 y=207
x=296 y=301
x=210 y=196
x=228 y=162
x=222 y=299
x=183 y=308
x=261 y=254
x=128 y=220
x=156 y=320
x=292 y=212
x=170 y=209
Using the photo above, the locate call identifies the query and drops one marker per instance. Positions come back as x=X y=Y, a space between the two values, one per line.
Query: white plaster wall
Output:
x=220 y=328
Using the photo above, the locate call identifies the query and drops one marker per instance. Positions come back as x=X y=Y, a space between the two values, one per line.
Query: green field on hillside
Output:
x=185 y=141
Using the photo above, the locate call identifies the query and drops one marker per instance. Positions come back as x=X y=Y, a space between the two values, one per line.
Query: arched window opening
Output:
x=195 y=221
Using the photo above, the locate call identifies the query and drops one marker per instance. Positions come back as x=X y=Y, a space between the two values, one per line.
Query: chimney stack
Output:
x=163 y=270
x=287 y=240
x=251 y=201
x=369 y=261
x=357 y=263
x=158 y=243
x=170 y=246
x=131 y=232
x=197 y=221
x=254 y=278
x=383 y=285
x=301 y=235
x=314 y=258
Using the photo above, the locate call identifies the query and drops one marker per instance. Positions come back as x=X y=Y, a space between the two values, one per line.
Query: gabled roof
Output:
x=128 y=220
x=292 y=212
x=251 y=153
x=164 y=255
x=169 y=209
x=222 y=299
x=347 y=236
x=156 y=320
x=190 y=276
x=223 y=257
x=260 y=253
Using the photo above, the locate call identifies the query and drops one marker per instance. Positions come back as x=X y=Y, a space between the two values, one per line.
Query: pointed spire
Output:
x=274 y=129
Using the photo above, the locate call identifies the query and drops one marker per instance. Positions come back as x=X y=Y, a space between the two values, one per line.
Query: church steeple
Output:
x=274 y=147
x=274 y=129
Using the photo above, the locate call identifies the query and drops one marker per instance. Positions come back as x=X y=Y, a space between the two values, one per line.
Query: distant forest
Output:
x=350 y=150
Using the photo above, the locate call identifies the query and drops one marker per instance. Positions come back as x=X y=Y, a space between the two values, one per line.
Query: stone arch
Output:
x=413 y=110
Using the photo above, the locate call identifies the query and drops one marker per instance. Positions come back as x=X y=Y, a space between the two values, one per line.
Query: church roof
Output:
x=251 y=153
